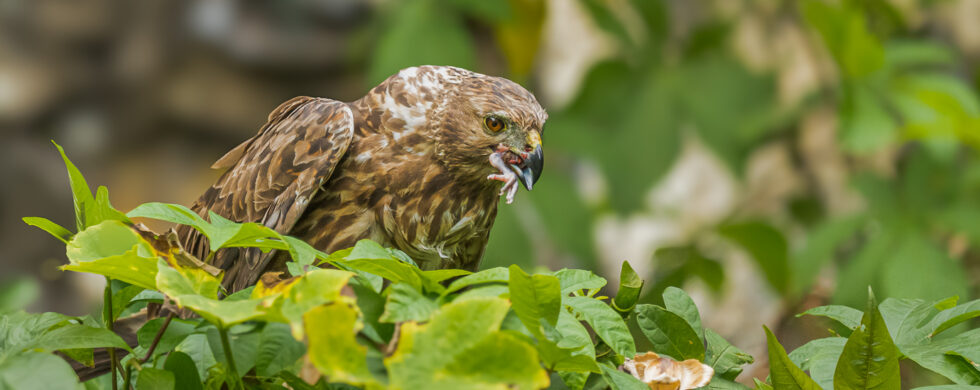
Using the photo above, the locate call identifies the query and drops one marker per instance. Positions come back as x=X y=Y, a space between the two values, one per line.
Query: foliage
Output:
x=498 y=328
x=880 y=337
x=901 y=97
x=894 y=87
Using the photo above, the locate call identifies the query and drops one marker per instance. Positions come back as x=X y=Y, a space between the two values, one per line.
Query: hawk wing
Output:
x=272 y=178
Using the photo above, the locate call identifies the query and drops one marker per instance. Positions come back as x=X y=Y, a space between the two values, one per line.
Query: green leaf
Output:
x=870 y=358
x=22 y=371
x=619 y=380
x=372 y=306
x=490 y=361
x=74 y=336
x=557 y=358
x=188 y=281
x=19 y=329
x=847 y=316
x=391 y=269
x=121 y=299
x=819 y=357
x=785 y=374
x=369 y=250
x=244 y=342
x=947 y=356
x=155 y=379
x=951 y=317
x=670 y=334
x=186 y=292
x=294 y=298
x=411 y=22
x=85 y=356
x=572 y=334
x=567 y=346
x=112 y=249
x=334 y=351
x=197 y=347
x=724 y=384
x=441 y=354
x=678 y=302
x=492 y=275
x=535 y=298
x=223 y=233
x=766 y=245
x=81 y=194
x=574 y=380
x=108 y=238
x=903 y=318
x=726 y=359
x=492 y=290
x=630 y=285
x=440 y=275
x=605 y=322
x=184 y=371
x=54 y=229
x=759 y=385
x=129 y=267
x=103 y=210
x=277 y=350
x=176 y=332
x=407 y=304
x=171 y=213
x=578 y=279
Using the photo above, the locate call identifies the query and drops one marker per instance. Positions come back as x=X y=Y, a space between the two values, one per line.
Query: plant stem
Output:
x=107 y=303
x=228 y=356
x=129 y=374
x=156 y=339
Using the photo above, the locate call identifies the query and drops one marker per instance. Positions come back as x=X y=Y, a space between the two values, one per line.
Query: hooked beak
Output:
x=534 y=162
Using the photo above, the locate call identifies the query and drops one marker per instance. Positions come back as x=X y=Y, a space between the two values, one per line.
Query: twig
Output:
x=156 y=339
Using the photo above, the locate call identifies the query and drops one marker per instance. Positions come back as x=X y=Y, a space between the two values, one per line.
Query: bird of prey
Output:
x=416 y=165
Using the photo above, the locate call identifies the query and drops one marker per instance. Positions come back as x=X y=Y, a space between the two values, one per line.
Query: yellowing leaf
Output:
x=461 y=347
x=334 y=351
x=129 y=267
x=289 y=301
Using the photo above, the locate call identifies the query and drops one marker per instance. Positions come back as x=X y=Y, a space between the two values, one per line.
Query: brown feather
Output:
x=405 y=166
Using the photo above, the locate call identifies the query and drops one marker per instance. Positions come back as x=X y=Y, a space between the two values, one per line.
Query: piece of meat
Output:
x=506 y=175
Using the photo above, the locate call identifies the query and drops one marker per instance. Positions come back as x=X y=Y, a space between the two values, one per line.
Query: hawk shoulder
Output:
x=272 y=177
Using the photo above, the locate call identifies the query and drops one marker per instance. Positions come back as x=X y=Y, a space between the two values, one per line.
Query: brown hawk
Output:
x=413 y=165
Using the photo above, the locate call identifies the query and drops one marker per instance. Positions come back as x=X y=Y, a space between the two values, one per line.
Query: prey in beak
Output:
x=516 y=165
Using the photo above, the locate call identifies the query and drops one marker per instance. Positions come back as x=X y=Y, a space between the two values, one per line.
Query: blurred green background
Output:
x=768 y=156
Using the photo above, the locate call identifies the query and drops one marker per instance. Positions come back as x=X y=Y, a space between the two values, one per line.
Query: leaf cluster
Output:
x=367 y=317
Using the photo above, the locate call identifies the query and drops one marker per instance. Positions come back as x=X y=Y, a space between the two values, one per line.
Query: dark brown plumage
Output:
x=408 y=165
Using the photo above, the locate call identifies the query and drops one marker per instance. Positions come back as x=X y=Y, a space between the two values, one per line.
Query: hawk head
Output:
x=471 y=116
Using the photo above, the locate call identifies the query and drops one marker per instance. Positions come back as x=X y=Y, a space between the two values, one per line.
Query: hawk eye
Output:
x=494 y=123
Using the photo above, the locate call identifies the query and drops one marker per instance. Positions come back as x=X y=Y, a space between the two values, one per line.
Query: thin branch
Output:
x=156 y=339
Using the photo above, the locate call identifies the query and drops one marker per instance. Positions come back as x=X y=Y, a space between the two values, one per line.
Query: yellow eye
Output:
x=494 y=123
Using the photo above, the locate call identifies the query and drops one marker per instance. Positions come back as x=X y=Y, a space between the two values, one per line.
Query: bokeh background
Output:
x=768 y=156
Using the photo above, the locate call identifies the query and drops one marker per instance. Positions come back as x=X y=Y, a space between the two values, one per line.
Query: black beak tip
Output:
x=533 y=166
